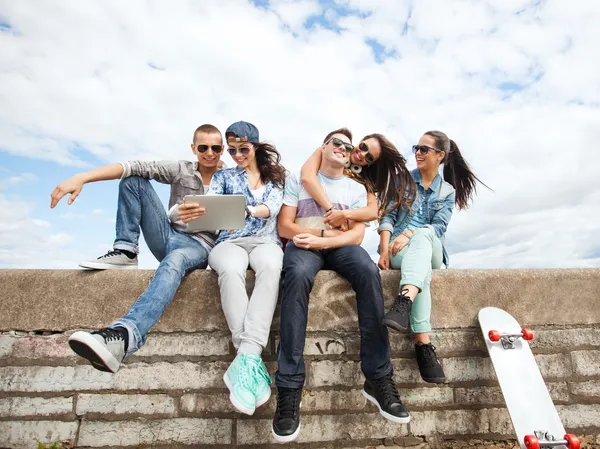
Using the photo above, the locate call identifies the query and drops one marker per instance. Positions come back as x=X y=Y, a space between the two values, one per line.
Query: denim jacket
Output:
x=437 y=211
x=234 y=181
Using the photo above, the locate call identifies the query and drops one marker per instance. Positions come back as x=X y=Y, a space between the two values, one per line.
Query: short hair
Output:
x=207 y=129
x=345 y=131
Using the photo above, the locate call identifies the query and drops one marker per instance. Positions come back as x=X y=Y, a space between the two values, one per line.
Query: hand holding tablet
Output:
x=213 y=212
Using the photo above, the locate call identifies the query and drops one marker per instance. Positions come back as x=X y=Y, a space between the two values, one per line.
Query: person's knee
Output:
x=299 y=271
x=132 y=182
x=175 y=261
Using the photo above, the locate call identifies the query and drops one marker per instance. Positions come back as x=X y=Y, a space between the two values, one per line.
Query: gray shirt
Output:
x=184 y=179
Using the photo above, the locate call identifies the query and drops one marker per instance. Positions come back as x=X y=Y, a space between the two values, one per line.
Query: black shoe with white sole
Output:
x=105 y=349
x=429 y=365
x=286 y=423
x=383 y=393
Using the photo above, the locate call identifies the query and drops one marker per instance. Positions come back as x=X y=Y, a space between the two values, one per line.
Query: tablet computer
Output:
x=222 y=212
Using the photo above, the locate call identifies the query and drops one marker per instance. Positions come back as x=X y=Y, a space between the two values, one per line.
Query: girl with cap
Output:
x=413 y=222
x=260 y=177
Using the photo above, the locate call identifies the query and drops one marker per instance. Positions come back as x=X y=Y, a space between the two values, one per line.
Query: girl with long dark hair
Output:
x=412 y=240
x=260 y=177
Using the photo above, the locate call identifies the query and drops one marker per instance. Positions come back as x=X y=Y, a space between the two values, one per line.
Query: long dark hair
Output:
x=388 y=177
x=268 y=161
x=456 y=170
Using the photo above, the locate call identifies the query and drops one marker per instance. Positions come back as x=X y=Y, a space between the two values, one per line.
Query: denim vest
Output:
x=437 y=211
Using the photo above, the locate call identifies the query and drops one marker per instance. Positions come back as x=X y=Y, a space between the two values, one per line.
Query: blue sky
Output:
x=87 y=84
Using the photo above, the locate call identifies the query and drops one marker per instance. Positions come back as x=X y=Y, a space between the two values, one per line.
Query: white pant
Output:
x=249 y=320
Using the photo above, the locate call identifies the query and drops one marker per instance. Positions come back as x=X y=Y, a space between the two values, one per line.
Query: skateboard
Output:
x=532 y=412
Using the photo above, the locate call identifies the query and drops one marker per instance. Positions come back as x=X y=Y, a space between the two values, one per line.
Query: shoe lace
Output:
x=247 y=373
x=388 y=389
x=287 y=402
x=429 y=357
x=111 y=253
x=402 y=303
x=110 y=334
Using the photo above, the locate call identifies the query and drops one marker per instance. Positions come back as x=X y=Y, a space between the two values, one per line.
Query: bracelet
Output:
x=405 y=233
x=322 y=232
x=330 y=209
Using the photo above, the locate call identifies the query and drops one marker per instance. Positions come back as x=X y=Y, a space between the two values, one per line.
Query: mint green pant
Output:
x=416 y=260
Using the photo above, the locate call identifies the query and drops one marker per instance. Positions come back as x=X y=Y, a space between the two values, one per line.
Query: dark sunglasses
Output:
x=424 y=149
x=338 y=143
x=368 y=156
x=204 y=148
x=243 y=150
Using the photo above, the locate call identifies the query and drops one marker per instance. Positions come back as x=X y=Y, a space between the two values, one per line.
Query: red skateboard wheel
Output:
x=531 y=442
x=527 y=334
x=494 y=335
x=572 y=441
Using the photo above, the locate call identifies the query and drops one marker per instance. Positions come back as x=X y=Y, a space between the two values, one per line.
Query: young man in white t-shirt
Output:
x=313 y=247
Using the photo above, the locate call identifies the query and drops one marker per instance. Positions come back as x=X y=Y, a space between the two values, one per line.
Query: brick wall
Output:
x=171 y=394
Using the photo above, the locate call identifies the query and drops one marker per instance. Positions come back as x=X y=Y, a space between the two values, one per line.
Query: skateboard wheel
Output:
x=572 y=441
x=527 y=334
x=494 y=335
x=531 y=442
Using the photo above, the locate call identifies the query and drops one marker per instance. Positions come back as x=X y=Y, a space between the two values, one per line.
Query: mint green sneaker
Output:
x=263 y=385
x=241 y=379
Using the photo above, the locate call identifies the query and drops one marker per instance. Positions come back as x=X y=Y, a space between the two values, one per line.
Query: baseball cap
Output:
x=243 y=132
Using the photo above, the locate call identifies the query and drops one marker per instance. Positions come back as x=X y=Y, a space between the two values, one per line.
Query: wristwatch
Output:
x=250 y=210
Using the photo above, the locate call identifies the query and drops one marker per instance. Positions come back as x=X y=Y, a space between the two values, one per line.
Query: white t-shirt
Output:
x=258 y=193
x=343 y=192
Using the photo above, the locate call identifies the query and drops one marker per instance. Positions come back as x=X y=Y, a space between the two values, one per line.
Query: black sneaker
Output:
x=105 y=349
x=398 y=317
x=383 y=393
x=429 y=365
x=286 y=423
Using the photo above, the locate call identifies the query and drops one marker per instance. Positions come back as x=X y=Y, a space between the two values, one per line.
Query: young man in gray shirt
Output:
x=140 y=208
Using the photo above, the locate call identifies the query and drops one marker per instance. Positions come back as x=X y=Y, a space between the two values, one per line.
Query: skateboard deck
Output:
x=528 y=401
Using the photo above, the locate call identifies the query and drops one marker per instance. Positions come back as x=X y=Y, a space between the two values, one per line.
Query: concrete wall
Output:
x=171 y=394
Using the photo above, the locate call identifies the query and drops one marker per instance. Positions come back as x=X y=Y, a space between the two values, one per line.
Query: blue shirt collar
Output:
x=435 y=185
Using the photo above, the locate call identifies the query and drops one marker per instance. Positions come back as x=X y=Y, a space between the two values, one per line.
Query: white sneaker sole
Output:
x=287 y=438
x=107 y=266
x=238 y=406
x=86 y=346
x=385 y=414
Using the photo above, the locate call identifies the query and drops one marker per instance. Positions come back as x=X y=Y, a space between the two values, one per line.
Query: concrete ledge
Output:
x=70 y=299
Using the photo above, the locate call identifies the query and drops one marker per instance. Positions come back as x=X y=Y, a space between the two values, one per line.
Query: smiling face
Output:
x=208 y=148
x=432 y=159
x=335 y=152
x=242 y=153
x=367 y=152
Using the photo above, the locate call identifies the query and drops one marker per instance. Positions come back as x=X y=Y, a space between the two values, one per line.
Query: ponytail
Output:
x=456 y=170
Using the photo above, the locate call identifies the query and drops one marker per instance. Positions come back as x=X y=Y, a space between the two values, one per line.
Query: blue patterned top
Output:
x=234 y=181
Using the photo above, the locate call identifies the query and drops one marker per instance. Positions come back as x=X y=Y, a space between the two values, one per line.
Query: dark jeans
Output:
x=299 y=270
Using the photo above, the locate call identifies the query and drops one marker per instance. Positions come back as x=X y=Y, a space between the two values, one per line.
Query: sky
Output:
x=515 y=83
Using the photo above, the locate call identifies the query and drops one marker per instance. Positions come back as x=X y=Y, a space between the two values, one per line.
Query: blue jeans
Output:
x=300 y=267
x=178 y=253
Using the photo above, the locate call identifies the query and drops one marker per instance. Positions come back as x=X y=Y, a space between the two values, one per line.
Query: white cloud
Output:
x=78 y=79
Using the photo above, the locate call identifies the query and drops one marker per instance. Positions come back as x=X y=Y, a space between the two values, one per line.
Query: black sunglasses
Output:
x=204 y=148
x=338 y=143
x=243 y=150
x=424 y=149
x=368 y=156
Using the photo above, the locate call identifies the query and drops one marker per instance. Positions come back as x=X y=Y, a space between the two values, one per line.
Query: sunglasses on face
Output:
x=424 y=149
x=365 y=149
x=205 y=148
x=243 y=150
x=339 y=143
